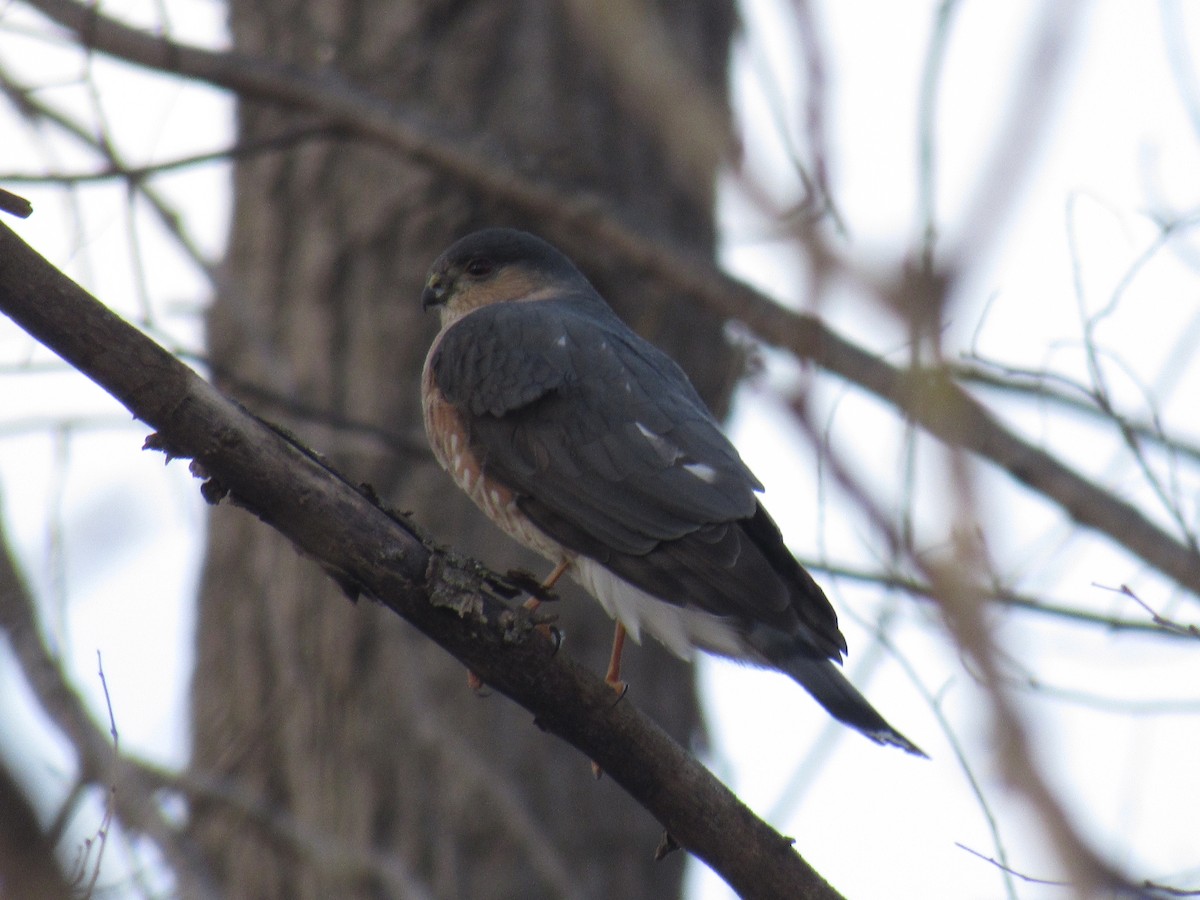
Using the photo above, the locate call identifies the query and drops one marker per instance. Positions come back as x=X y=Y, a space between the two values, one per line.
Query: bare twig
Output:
x=815 y=109
x=100 y=841
x=1002 y=596
x=1166 y=624
x=15 y=204
x=931 y=76
x=34 y=109
x=115 y=170
x=1062 y=391
x=1009 y=871
x=1151 y=888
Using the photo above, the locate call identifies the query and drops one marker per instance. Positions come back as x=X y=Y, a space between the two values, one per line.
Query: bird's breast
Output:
x=449 y=438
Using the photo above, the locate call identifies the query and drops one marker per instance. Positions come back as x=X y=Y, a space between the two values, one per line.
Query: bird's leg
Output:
x=474 y=682
x=533 y=603
x=613 y=676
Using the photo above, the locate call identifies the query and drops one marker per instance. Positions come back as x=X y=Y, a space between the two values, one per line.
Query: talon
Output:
x=621 y=688
x=665 y=847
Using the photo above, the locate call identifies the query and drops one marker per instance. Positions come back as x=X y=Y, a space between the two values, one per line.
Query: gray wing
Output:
x=612 y=453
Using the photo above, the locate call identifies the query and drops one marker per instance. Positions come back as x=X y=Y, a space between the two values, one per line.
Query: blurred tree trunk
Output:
x=338 y=715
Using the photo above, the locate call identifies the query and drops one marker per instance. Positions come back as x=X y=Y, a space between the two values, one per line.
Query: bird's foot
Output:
x=544 y=625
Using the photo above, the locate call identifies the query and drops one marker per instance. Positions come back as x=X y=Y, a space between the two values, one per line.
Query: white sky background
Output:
x=110 y=537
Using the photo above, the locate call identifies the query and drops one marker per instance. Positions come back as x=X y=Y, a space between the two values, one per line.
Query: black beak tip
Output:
x=429 y=298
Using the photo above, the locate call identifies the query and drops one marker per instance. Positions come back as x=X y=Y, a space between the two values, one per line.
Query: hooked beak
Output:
x=434 y=293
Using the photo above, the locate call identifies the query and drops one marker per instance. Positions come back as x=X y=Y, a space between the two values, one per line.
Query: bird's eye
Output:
x=479 y=267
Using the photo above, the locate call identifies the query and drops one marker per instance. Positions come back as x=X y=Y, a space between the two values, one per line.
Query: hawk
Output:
x=589 y=445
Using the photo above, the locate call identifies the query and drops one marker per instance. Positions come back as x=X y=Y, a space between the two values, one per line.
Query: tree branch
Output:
x=371 y=551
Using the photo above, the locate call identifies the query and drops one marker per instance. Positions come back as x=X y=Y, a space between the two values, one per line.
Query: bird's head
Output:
x=497 y=265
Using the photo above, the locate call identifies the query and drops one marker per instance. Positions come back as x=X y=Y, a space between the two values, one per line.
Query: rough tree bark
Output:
x=340 y=716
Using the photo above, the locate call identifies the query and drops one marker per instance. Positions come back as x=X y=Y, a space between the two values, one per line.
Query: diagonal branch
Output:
x=370 y=551
x=930 y=398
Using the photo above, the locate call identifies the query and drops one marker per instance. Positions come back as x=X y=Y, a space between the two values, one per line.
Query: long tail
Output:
x=824 y=680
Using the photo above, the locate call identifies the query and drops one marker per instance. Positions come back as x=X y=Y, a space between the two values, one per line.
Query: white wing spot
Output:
x=664 y=448
x=703 y=471
x=562 y=341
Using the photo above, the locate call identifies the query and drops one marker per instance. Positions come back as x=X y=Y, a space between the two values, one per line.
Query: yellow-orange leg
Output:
x=613 y=676
x=473 y=681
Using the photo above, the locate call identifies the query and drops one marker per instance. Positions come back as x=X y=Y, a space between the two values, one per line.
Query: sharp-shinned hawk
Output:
x=588 y=444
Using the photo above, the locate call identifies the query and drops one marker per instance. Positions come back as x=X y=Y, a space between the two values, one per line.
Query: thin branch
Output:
x=1069 y=394
x=931 y=76
x=934 y=701
x=15 y=204
x=1006 y=597
x=113 y=170
x=1009 y=871
x=100 y=842
x=1090 y=323
x=1153 y=888
x=1169 y=625
x=33 y=109
x=815 y=116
